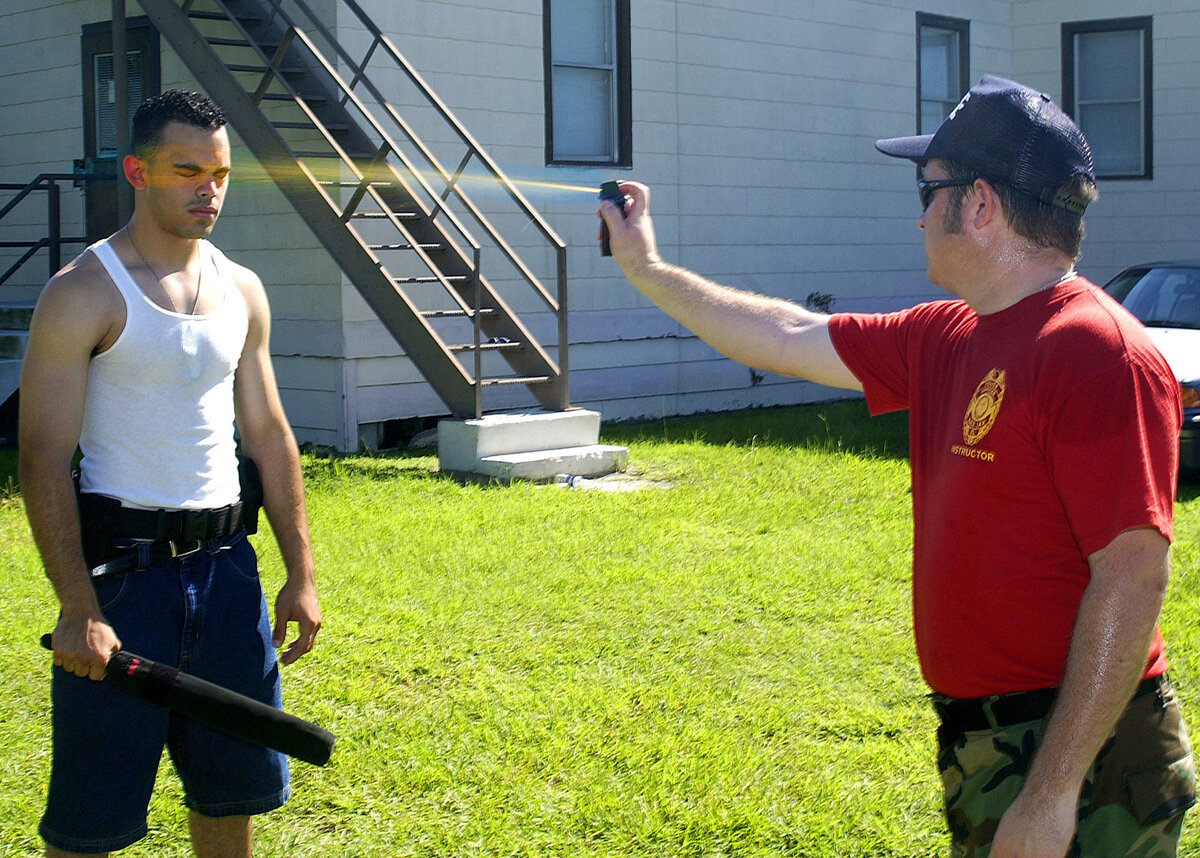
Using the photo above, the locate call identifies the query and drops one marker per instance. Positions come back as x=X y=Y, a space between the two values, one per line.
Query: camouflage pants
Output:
x=1133 y=800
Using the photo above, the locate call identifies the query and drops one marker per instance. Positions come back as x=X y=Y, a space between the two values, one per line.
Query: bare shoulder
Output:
x=81 y=299
x=250 y=287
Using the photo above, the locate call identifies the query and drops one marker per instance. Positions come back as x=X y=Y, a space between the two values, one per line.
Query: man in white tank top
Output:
x=143 y=352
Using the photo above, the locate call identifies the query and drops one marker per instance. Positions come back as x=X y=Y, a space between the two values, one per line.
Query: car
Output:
x=1165 y=297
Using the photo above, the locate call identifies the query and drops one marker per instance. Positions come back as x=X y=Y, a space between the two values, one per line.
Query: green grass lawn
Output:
x=722 y=667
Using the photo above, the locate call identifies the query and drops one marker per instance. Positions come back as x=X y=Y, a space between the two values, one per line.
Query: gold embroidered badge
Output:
x=983 y=408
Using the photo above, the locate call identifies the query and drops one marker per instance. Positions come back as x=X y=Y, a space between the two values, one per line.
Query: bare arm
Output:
x=74 y=316
x=1112 y=634
x=267 y=439
x=766 y=333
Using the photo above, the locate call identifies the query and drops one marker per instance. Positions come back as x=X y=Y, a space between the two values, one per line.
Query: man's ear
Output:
x=986 y=205
x=135 y=171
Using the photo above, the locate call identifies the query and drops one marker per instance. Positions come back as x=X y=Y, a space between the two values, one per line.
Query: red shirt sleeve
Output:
x=1112 y=437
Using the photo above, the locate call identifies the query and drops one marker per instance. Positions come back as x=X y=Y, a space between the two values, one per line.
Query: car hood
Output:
x=1181 y=348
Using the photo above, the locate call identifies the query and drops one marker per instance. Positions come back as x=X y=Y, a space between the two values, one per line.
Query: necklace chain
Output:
x=199 y=277
x=1070 y=272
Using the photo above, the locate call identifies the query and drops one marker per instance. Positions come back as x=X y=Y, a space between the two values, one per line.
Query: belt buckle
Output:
x=177 y=549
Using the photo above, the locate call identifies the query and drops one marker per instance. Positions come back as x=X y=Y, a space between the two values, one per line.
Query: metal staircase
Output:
x=398 y=223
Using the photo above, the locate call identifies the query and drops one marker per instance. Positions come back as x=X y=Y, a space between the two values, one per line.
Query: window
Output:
x=103 y=78
x=588 y=89
x=1107 y=90
x=943 y=68
x=102 y=204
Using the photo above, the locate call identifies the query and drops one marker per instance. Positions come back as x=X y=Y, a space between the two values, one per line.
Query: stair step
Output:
x=331 y=184
x=217 y=41
x=497 y=345
x=380 y=215
x=418 y=281
x=536 y=445
x=516 y=379
x=434 y=247
x=456 y=314
x=308 y=126
x=220 y=16
x=12 y=345
x=287 y=96
x=590 y=460
x=291 y=71
x=15 y=315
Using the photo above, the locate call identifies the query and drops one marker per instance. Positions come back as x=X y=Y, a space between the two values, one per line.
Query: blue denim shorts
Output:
x=204 y=613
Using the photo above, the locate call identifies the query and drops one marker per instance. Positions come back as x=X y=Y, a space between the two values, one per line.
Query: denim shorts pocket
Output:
x=1160 y=792
x=241 y=558
x=110 y=589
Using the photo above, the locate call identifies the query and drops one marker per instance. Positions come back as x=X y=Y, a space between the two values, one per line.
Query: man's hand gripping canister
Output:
x=610 y=191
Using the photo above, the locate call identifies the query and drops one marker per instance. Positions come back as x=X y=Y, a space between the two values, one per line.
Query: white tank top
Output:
x=158 y=424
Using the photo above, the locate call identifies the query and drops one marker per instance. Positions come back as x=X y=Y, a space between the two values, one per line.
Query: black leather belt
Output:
x=995 y=713
x=177 y=525
x=143 y=555
x=142 y=537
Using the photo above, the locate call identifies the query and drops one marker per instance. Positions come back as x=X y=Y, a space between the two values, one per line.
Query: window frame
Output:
x=96 y=40
x=1070 y=30
x=622 y=92
x=961 y=26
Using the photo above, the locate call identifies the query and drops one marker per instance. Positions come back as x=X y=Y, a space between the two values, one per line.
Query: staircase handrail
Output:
x=54 y=239
x=474 y=149
x=478 y=151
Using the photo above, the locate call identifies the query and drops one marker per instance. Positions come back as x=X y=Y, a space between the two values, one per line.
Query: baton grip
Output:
x=217 y=707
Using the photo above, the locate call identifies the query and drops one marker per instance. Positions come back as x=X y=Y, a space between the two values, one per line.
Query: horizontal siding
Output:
x=1134 y=221
x=754 y=123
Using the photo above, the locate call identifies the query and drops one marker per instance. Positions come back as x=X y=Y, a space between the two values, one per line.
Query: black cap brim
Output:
x=912 y=148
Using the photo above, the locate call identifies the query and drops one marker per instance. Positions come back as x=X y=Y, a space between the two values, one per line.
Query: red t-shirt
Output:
x=1037 y=435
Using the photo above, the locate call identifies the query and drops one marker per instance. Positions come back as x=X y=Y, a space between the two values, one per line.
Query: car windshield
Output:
x=1160 y=297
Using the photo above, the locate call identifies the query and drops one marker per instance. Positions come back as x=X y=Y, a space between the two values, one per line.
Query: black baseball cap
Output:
x=1009 y=134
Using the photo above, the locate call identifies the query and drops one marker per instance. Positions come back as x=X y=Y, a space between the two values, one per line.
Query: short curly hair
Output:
x=174 y=105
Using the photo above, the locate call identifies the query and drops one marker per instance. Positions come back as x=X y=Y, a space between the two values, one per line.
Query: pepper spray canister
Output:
x=610 y=191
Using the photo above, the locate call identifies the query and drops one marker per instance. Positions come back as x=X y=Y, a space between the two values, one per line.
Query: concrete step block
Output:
x=464 y=441
x=534 y=445
x=592 y=460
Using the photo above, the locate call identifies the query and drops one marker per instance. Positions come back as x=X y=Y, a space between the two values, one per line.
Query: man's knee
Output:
x=221 y=836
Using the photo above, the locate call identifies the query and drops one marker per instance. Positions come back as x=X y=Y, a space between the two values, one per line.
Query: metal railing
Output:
x=381 y=50
x=53 y=240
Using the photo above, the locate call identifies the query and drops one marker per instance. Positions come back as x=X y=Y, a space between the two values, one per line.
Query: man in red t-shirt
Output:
x=1043 y=433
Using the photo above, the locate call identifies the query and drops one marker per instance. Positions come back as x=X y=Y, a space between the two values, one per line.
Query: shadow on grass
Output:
x=1189 y=486
x=381 y=466
x=842 y=426
x=8 y=474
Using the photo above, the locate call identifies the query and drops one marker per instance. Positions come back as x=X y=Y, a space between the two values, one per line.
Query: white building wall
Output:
x=1138 y=220
x=40 y=94
x=754 y=123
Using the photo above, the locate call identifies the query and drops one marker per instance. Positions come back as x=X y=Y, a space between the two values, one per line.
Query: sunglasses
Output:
x=926 y=187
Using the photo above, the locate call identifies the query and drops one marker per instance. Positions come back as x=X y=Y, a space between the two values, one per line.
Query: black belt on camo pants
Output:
x=995 y=713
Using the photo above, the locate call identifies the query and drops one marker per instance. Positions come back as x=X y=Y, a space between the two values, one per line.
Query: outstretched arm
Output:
x=762 y=332
x=267 y=439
